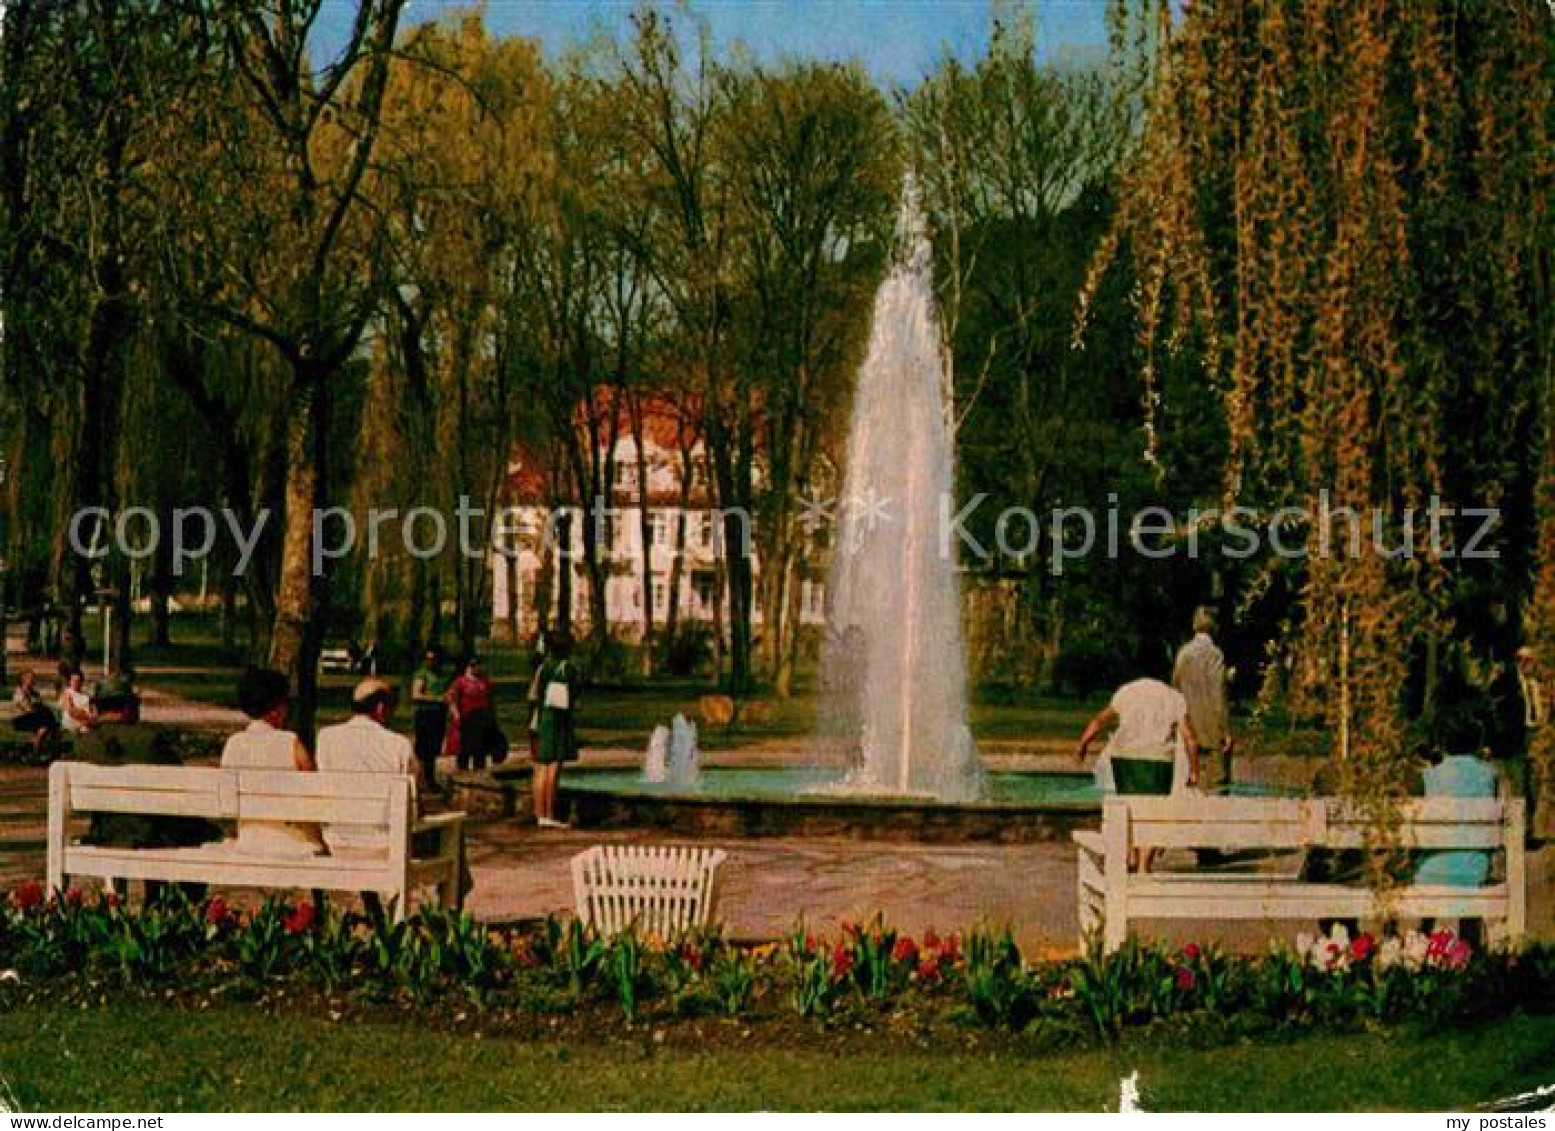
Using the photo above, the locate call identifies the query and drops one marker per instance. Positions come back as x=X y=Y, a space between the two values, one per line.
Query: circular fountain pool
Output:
x=802 y=801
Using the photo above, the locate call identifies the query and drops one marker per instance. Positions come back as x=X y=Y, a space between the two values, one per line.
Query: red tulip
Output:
x=298 y=919
x=27 y=897
x=905 y=951
x=950 y=949
x=841 y=962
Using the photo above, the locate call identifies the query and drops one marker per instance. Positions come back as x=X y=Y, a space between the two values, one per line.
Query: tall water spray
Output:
x=896 y=657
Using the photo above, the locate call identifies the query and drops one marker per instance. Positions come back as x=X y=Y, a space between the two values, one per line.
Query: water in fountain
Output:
x=685 y=757
x=674 y=755
x=656 y=760
x=895 y=664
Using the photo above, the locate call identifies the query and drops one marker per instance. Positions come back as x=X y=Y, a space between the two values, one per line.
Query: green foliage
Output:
x=812 y=972
x=872 y=965
x=733 y=976
x=994 y=981
x=261 y=946
x=572 y=953
x=1132 y=986
x=623 y=962
x=687 y=649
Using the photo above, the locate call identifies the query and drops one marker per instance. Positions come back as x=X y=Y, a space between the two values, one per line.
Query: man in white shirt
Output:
x=1151 y=728
x=365 y=744
x=1200 y=674
x=1150 y=725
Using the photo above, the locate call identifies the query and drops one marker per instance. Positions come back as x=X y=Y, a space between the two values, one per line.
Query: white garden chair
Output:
x=656 y=889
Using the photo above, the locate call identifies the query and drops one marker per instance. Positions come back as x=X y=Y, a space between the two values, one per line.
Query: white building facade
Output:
x=539 y=541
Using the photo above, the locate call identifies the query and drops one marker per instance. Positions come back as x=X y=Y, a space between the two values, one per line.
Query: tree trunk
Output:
x=162 y=589
x=677 y=574
x=735 y=554
x=294 y=642
x=720 y=641
x=545 y=574
x=229 y=614
x=644 y=532
x=783 y=677
x=677 y=566
x=515 y=622
x=562 y=558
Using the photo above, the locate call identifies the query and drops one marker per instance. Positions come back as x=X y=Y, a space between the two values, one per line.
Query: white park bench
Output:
x=658 y=890
x=1111 y=897
x=375 y=801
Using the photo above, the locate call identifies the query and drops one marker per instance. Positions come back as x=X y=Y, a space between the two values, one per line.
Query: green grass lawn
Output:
x=134 y=1056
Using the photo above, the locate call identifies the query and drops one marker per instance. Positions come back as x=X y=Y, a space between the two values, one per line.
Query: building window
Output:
x=660 y=595
x=702 y=582
x=659 y=525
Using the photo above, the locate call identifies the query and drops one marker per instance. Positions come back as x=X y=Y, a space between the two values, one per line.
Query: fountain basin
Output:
x=745 y=802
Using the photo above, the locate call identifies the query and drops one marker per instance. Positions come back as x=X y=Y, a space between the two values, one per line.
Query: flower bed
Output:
x=72 y=945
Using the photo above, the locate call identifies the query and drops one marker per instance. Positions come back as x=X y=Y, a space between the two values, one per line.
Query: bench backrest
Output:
x=656 y=889
x=1257 y=822
x=380 y=800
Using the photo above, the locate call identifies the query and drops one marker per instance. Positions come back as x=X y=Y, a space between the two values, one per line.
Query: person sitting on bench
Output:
x=33 y=716
x=119 y=738
x=265 y=744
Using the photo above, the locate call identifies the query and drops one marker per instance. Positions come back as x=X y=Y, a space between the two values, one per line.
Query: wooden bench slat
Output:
x=333 y=873
x=1293 y=902
x=314 y=810
x=293 y=783
x=150 y=802
x=194 y=778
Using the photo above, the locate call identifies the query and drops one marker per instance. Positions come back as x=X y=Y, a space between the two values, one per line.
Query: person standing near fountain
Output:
x=1200 y=674
x=1149 y=720
x=429 y=695
x=557 y=741
x=472 y=713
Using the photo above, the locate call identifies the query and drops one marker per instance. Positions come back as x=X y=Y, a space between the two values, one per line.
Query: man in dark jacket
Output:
x=119 y=738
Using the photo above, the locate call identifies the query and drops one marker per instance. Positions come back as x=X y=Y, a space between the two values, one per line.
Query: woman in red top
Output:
x=470 y=710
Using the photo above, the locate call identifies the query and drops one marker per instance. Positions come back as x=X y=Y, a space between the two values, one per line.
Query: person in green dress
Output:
x=429 y=694
x=556 y=688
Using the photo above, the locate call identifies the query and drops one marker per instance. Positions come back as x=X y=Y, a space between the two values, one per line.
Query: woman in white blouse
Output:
x=265 y=744
x=75 y=704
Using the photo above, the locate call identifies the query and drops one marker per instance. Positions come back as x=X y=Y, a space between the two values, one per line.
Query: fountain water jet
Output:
x=896 y=659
